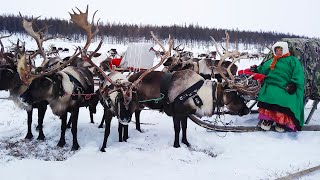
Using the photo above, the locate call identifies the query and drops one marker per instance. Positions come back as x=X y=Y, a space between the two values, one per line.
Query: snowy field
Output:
x=150 y=155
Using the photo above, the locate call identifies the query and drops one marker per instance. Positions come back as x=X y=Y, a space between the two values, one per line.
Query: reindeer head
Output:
x=234 y=102
x=8 y=77
x=116 y=99
x=8 y=70
x=175 y=62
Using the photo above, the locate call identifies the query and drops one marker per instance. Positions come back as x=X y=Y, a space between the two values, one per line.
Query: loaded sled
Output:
x=308 y=52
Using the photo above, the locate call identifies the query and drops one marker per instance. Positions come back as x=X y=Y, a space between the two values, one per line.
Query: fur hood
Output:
x=284 y=45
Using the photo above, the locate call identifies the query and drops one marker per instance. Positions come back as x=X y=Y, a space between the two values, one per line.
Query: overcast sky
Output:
x=287 y=16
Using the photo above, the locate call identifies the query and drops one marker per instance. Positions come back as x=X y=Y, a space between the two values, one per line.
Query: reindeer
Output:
x=115 y=106
x=206 y=67
x=186 y=93
x=9 y=80
x=66 y=90
x=119 y=100
x=52 y=50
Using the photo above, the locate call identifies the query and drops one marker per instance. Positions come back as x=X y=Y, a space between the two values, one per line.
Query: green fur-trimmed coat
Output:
x=273 y=91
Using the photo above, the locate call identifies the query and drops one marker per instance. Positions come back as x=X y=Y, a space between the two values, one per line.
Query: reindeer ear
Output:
x=97 y=55
x=168 y=62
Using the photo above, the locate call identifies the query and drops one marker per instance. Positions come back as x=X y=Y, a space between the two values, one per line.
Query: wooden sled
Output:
x=220 y=128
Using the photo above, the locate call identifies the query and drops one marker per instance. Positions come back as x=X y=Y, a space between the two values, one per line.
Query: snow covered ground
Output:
x=150 y=155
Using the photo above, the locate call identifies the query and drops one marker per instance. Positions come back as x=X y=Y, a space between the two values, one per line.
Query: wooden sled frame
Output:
x=239 y=129
x=220 y=128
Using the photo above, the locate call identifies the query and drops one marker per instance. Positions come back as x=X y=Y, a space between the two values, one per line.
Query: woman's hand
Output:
x=291 y=88
x=253 y=68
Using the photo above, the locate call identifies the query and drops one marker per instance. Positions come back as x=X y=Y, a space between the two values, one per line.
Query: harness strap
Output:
x=78 y=88
x=214 y=96
x=164 y=83
x=219 y=98
x=190 y=92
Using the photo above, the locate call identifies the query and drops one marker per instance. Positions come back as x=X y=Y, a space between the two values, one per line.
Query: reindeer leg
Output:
x=104 y=117
x=69 y=123
x=62 y=140
x=29 y=133
x=107 y=129
x=184 y=131
x=74 y=128
x=176 y=124
x=41 y=112
x=125 y=133
x=137 y=115
x=92 y=110
x=91 y=117
x=120 y=131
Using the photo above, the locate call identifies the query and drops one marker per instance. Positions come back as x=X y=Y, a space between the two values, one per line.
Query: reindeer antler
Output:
x=235 y=56
x=24 y=65
x=24 y=68
x=37 y=36
x=2 y=47
x=163 y=58
x=128 y=93
x=178 y=50
x=81 y=20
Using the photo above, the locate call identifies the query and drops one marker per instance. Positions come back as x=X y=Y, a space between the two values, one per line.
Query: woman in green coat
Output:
x=281 y=95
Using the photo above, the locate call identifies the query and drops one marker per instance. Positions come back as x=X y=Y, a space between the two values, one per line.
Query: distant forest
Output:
x=123 y=32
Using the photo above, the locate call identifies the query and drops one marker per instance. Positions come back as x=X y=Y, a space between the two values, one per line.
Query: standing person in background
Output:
x=280 y=99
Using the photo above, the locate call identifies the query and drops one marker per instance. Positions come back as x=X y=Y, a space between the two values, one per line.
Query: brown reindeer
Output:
x=121 y=100
x=9 y=80
x=66 y=90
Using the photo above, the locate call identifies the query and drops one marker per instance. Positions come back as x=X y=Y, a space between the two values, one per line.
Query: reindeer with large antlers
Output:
x=183 y=93
x=66 y=88
x=242 y=86
x=10 y=80
x=121 y=101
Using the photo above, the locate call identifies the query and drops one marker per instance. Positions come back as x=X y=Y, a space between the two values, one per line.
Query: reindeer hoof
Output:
x=176 y=145
x=100 y=126
x=41 y=137
x=186 y=142
x=61 y=143
x=29 y=136
x=125 y=139
x=75 y=147
x=102 y=150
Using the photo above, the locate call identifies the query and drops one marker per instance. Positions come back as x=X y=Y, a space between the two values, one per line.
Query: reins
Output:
x=156 y=100
x=86 y=96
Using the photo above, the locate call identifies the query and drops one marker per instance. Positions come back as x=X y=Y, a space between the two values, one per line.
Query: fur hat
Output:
x=284 y=45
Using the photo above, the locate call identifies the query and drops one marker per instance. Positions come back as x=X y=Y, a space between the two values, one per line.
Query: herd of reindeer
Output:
x=186 y=86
